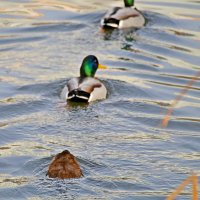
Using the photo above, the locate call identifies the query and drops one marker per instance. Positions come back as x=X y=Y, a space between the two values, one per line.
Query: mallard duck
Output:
x=123 y=17
x=85 y=88
x=64 y=165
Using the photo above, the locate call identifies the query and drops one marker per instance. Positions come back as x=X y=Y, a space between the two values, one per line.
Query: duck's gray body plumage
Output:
x=123 y=17
x=84 y=89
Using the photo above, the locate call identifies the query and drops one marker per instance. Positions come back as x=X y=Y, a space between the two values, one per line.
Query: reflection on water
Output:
x=12 y=182
x=121 y=148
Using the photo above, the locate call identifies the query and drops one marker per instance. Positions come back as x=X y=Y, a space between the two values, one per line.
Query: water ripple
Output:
x=122 y=150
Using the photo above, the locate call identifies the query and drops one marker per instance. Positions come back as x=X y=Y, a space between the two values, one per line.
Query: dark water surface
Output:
x=121 y=149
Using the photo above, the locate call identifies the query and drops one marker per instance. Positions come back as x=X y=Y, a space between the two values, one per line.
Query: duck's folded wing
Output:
x=98 y=93
x=112 y=12
x=95 y=88
x=124 y=13
x=64 y=93
x=89 y=84
x=72 y=84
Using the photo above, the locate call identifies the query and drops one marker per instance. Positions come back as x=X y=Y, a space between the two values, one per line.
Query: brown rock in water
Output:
x=64 y=165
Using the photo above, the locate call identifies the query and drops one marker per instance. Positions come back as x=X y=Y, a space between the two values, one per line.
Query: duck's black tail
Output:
x=110 y=23
x=78 y=96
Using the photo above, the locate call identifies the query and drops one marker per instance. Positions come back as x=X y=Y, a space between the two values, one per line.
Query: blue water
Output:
x=123 y=152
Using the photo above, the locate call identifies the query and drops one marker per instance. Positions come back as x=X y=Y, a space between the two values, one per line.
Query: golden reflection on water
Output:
x=14 y=80
x=30 y=9
x=140 y=137
x=22 y=14
x=184 y=16
x=183 y=104
x=8 y=181
x=189 y=156
x=41 y=118
x=24 y=148
x=129 y=79
x=19 y=99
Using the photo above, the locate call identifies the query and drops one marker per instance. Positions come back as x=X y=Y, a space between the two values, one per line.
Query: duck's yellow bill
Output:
x=102 y=66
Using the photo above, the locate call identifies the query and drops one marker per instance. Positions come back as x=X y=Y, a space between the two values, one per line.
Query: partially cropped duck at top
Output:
x=86 y=87
x=124 y=17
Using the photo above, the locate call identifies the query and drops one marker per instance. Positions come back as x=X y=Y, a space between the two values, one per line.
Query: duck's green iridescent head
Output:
x=128 y=3
x=89 y=66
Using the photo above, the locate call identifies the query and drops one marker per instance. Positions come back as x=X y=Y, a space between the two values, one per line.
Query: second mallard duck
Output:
x=85 y=88
x=124 y=17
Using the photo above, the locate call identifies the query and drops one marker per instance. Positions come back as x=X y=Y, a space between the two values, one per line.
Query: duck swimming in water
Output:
x=85 y=88
x=124 y=17
x=63 y=166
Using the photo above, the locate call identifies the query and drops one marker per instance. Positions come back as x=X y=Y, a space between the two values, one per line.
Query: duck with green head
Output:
x=86 y=87
x=124 y=17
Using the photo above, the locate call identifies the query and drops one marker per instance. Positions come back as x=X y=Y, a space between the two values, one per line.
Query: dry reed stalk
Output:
x=193 y=179
x=166 y=119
